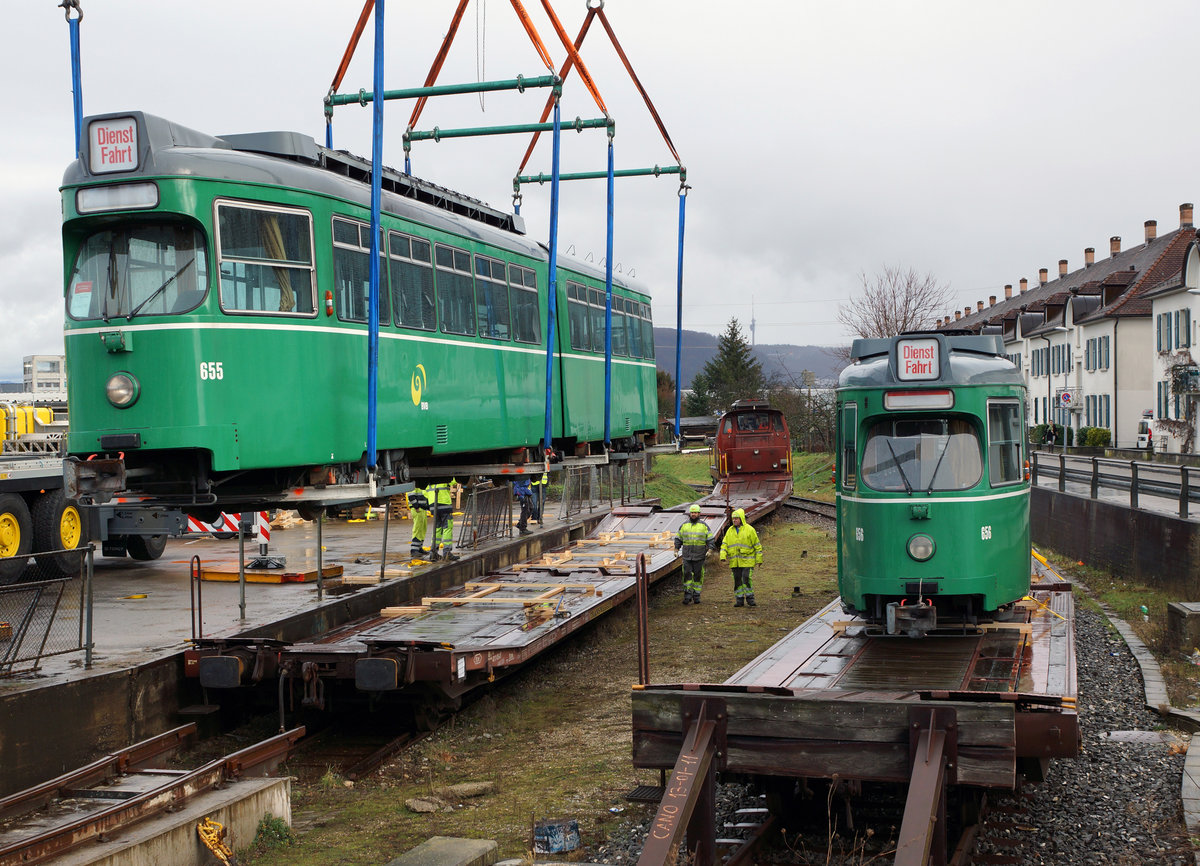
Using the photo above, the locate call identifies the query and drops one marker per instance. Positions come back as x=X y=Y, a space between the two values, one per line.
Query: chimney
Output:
x=979 y=306
x=1008 y=291
x=1151 y=230
x=1043 y=276
x=991 y=300
x=966 y=311
x=1114 y=246
x=1024 y=285
x=1185 y=215
x=1062 y=267
x=957 y=315
x=1089 y=257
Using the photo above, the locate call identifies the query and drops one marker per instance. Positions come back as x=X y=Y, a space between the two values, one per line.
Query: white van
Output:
x=1145 y=434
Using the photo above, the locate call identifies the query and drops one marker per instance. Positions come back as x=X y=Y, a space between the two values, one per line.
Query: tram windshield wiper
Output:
x=907 y=487
x=938 y=465
x=161 y=288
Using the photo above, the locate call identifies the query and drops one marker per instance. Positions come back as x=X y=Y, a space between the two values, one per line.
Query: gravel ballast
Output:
x=1118 y=802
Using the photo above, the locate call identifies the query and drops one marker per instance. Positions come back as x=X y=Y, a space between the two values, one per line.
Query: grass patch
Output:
x=555 y=739
x=812 y=475
x=1126 y=599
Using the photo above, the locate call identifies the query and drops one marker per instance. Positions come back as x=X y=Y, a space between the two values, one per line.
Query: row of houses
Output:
x=1108 y=344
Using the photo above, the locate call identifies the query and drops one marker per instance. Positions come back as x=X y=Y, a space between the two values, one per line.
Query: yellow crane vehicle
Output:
x=37 y=519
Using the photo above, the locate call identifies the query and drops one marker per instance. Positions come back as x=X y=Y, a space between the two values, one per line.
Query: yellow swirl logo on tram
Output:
x=419 y=383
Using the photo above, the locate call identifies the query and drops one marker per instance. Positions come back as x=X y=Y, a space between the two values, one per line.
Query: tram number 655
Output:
x=985 y=533
x=212 y=370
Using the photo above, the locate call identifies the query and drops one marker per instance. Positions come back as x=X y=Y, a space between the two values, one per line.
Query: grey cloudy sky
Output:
x=975 y=141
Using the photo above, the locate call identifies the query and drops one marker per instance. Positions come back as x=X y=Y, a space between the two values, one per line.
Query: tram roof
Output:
x=957 y=360
x=293 y=159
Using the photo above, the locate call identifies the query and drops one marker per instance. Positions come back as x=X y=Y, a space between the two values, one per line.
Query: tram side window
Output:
x=578 y=317
x=620 y=341
x=144 y=269
x=849 y=433
x=352 y=272
x=491 y=295
x=597 y=306
x=647 y=334
x=1004 y=442
x=455 y=290
x=526 y=319
x=410 y=267
x=633 y=327
x=266 y=261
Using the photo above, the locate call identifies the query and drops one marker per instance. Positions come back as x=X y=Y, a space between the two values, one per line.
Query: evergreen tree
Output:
x=666 y=394
x=731 y=374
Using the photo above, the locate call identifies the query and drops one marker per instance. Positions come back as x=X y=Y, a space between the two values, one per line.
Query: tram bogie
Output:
x=932 y=489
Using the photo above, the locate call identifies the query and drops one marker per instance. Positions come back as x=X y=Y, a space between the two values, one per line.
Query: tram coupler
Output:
x=913 y=620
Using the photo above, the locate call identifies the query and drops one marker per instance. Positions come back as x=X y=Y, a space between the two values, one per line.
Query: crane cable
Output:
x=368 y=7
x=584 y=75
x=436 y=68
x=563 y=72
x=637 y=83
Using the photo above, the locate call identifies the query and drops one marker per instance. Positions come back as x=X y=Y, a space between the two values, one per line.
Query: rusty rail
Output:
x=689 y=802
x=257 y=760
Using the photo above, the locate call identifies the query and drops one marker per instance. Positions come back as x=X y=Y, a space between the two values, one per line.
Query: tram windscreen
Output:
x=148 y=269
x=921 y=455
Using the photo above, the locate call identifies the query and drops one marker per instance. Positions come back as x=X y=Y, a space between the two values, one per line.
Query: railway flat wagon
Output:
x=217 y=295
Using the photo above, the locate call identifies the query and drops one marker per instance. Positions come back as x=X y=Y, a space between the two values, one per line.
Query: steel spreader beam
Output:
x=519 y=83
x=436 y=134
x=598 y=175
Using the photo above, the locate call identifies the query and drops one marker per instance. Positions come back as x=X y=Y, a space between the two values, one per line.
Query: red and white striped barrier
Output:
x=230 y=522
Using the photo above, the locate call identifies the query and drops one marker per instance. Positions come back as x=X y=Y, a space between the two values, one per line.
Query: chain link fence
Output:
x=45 y=608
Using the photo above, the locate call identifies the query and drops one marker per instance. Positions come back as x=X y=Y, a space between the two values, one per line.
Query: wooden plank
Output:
x=587 y=588
x=878 y=762
x=403 y=610
x=864 y=721
x=459 y=601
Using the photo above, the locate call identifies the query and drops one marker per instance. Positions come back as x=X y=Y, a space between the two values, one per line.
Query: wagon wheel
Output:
x=16 y=537
x=58 y=525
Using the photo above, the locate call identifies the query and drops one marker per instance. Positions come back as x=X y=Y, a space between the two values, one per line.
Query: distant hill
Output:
x=699 y=347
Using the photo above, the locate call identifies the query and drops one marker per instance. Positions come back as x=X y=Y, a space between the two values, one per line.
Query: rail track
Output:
x=44 y=822
x=811 y=506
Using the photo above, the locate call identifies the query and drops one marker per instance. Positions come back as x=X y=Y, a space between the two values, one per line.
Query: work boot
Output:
x=687 y=596
x=434 y=556
x=450 y=557
x=740 y=602
x=695 y=598
x=750 y=601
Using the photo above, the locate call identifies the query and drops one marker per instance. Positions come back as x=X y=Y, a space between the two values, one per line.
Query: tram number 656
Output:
x=985 y=533
x=212 y=370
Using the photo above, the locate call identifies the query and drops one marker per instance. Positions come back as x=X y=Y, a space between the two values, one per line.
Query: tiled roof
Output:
x=1141 y=267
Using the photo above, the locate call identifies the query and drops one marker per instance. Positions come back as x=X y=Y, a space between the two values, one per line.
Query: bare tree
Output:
x=893 y=301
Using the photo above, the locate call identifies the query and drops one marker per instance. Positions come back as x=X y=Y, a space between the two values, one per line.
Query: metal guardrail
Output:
x=1137 y=477
x=47 y=612
x=488 y=515
x=589 y=488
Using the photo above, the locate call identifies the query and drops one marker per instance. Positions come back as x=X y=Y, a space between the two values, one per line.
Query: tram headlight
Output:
x=122 y=390
x=921 y=547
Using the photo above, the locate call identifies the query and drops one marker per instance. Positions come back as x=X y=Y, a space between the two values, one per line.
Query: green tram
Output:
x=217 y=292
x=932 y=487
